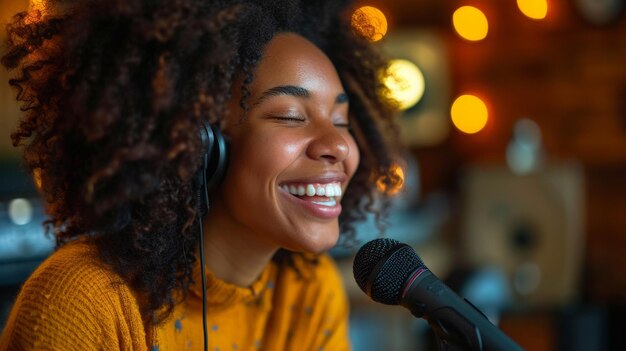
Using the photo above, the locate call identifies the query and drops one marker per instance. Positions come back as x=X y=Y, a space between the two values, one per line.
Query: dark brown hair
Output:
x=110 y=92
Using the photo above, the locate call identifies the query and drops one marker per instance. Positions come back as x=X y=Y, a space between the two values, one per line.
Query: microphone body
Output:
x=390 y=272
x=455 y=320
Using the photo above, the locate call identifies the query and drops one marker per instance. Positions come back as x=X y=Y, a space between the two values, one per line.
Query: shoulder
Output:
x=72 y=297
x=74 y=271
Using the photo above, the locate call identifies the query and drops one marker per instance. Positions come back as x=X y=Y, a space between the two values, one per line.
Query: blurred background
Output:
x=514 y=193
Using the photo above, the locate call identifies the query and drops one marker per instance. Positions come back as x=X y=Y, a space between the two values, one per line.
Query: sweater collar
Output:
x=221 y=293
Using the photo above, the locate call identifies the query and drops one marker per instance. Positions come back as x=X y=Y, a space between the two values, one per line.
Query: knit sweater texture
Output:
x=73 y=302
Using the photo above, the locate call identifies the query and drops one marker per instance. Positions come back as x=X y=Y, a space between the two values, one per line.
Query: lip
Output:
x=319 y=211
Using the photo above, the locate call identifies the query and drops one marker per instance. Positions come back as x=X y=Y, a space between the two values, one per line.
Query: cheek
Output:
x=259 y=158
x=353 y=159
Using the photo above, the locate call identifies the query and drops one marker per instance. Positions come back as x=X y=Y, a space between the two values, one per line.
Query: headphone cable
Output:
x=201 y=240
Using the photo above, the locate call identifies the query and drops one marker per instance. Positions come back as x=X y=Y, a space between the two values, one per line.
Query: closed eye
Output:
x=298 y=119
x=302 y=119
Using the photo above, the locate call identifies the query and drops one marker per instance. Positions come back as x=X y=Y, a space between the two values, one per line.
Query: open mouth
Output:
x=321 y=200
x=324 y=194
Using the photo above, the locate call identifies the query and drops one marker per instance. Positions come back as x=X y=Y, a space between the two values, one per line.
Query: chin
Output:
x=319 y=243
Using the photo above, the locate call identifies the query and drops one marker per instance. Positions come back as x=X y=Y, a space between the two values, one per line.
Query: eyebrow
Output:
x=296 y=91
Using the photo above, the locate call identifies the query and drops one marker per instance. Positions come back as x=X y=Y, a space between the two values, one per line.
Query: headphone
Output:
x=214 y=158
x=211 y=173
x=214 y=162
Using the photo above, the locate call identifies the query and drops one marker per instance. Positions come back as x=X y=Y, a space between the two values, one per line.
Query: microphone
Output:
x=390 y=272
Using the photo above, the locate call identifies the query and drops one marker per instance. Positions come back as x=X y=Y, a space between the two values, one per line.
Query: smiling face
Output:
x=292 y=156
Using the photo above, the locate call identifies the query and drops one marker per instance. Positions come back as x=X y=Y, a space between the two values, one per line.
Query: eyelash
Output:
x=295 y=119
x=298 y=119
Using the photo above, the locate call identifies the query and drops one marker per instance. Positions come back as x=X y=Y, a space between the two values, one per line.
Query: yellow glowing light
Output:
x=392 y=182
x=39 y=5
x=37 y=10
x=369 y=22
x=469 y=114
x=535 y=9
x=405 y=82
x=470 y=23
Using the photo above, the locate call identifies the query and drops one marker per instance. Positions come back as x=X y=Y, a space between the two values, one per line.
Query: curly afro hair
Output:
x=110 y=91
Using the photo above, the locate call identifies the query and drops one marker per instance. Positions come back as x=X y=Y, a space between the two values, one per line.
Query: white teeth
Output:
x=310 y=190
x=329 y=190
x=320 y=191
x=330 y=203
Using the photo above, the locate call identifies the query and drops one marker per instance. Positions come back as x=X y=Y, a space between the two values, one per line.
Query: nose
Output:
x=329 y=145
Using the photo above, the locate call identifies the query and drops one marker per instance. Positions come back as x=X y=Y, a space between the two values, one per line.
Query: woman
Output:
x=114 y=95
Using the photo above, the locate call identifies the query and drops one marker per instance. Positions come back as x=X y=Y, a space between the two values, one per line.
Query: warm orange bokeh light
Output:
x=37 y=3
x=470 y=23
x=469 y=114
x=535 y=9
x=369 y=22
x=391 y=183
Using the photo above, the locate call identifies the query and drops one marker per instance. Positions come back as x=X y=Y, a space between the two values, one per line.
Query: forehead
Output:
x=290 y=59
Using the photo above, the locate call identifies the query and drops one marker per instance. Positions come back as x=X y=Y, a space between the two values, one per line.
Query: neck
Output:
x=233 y=253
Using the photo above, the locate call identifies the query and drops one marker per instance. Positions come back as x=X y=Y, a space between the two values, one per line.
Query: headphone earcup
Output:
x=218 y=159
x=215 y=156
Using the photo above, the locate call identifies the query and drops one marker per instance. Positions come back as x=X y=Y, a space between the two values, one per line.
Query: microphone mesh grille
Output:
x=393 y=275
x=368 y=256
x=397 y=262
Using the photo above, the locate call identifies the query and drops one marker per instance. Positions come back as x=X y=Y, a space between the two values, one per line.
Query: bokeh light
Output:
x=20 y=211
x=470 y=23
x=535 y=9
x=370 y=23
x=469 y=114
x=39 y=5
x=392 y=182
x=524 y=152
x=405 y=82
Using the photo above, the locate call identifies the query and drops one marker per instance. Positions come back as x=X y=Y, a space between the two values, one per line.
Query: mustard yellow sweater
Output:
x=74 y=302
